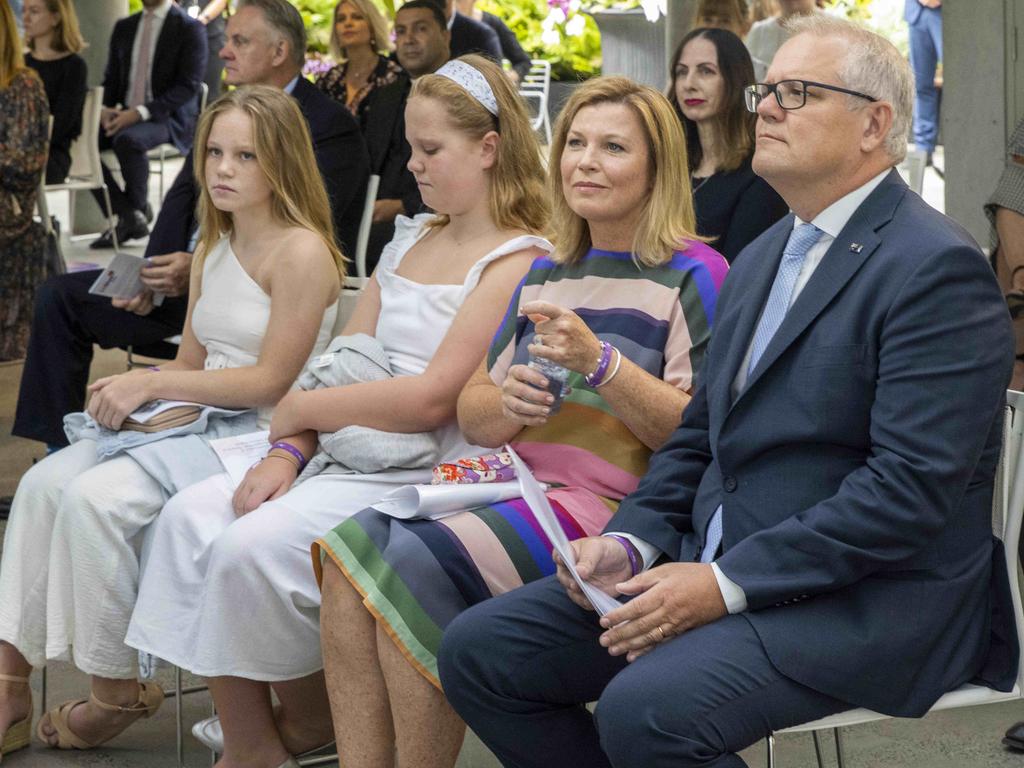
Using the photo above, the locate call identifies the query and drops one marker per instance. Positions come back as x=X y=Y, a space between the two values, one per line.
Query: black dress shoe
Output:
x=1014 y=738
x=130 y=227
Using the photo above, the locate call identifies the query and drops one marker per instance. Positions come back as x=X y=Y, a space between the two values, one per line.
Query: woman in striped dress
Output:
x=625 y=304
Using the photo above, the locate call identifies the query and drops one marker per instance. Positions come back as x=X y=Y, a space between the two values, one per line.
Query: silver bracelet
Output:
x=615 y=370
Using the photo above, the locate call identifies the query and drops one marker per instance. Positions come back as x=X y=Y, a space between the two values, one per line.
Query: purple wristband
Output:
x=634 y=566
x=289 y=448
x=594 y=379
x=154 y=368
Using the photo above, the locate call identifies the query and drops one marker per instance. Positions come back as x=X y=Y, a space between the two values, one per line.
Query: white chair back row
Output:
x=536 y=87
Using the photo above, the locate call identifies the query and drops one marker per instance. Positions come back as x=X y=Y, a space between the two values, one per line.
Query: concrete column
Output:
x=677 y=23
x=633 y=46
x=96 y=19
x=977 y=74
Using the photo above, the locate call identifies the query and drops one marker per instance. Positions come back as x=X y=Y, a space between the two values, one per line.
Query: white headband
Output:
x=473 y=81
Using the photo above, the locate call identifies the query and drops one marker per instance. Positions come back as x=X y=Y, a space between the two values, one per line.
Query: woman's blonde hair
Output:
x=667 y=220
x=284 y=152
x=11 y=60
x=380 y=37
x=67 y=38
x=517 y=199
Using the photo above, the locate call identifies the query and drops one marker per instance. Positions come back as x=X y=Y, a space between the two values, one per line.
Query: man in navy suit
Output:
x=816 y=534
x=262 y=39
x=470 y=35
x=150 y=97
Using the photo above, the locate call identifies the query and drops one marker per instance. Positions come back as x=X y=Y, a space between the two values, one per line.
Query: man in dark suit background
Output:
x=819 y=525
x=470 y=35
x=156 y=62
x=263 y=36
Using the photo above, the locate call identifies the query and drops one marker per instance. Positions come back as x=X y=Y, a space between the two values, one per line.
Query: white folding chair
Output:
x=1007 y=511
x=86 y=170
x=165 y=152
x=365 y=224
x=536 y=86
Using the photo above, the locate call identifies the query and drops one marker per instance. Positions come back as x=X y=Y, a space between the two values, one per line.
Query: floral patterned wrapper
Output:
x=489 y=468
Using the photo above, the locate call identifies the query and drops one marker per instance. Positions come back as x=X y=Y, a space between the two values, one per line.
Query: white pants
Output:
x=70 y=565
x=222 y=595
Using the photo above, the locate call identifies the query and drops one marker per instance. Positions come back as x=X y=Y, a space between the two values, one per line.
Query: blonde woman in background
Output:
x=360 y=41
x=264 y=284
x=53 y=40
x=23 y=125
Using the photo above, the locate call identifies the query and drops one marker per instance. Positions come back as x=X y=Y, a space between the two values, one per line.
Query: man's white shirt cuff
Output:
x=143 y=112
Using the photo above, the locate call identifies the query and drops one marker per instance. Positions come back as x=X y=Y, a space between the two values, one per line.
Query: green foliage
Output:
x=134 y=6
x=572 y=56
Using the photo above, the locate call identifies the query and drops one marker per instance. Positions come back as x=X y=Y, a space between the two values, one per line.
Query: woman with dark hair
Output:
x=709 y=71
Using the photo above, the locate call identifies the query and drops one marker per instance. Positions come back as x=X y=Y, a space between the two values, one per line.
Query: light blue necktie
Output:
x=801 y=240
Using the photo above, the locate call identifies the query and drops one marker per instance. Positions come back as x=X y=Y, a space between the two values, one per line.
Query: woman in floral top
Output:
x=24 y=123
x=360 y=41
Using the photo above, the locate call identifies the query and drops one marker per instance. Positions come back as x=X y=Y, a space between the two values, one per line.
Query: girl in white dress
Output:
x=229 y=591
x=263 y=292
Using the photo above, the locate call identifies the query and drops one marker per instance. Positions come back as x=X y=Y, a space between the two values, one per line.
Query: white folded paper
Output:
x=533 y=493
x=239 y=452
x=433 y=502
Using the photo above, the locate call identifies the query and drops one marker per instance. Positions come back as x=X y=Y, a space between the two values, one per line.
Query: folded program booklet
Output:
x=122 y=278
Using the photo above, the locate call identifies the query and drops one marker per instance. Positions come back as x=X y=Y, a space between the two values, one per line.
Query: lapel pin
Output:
x=856 y=247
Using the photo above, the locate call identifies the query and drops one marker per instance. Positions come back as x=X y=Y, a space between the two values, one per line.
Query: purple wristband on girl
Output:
x=594 y=379
x=634 y=565
x=289 y=448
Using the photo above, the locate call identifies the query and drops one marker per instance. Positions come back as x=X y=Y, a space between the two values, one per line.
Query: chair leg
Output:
x=840 y=761
x=178 y=717
x=817 y=749
x=110 y=218
x=213 y=713
x=769 y=742
x=42 y=694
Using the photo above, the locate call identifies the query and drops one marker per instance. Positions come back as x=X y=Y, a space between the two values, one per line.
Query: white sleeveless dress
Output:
x=236 y=596
x=70 y=566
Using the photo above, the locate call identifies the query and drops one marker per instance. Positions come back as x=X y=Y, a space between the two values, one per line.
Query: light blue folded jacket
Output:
x=177 y=457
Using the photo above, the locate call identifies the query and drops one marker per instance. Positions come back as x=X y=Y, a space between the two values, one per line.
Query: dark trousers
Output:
x=925 y=53
x=519 y=667
x=130 y=146
x=67 y=321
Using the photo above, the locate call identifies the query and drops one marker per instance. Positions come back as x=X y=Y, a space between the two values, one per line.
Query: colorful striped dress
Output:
x=417 y=575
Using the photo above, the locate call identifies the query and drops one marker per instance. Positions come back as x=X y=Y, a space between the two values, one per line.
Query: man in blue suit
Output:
x=816 y=534
x=150 y=97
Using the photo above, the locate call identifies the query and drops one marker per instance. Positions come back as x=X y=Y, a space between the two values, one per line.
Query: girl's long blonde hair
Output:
x=284 y=151
x=668 y=219
x=11 y=60
x=517 y=199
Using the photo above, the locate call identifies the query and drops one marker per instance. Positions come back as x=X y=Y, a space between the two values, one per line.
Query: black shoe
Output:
x=130 y=227
x=1014 y=738
x=5 y=506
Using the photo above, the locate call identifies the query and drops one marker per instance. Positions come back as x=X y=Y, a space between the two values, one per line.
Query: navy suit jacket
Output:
x=855 y=469
x=178 y=66
x=470 y=36
x=341 y=157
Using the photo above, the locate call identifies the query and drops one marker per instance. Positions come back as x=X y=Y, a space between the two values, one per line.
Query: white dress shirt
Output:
x=831 y=222
x=159 y=15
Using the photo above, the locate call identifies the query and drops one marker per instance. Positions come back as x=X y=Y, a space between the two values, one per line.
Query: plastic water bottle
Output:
x=557 y=376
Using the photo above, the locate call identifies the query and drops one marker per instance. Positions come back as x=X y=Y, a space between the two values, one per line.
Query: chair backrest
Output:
x=365 y=224
x=41 y=203
x=204 y=94
x=1008 y=509
x=538 y=78
x=347 y=300
x=912 y=169
x=85 y=150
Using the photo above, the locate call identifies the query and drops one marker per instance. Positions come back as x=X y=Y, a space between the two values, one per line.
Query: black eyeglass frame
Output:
x=773 y=89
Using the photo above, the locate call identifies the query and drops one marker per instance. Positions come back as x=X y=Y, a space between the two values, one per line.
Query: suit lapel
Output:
x=851 y=248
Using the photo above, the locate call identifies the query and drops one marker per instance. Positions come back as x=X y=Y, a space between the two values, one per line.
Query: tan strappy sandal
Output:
x=18 y=734
x=151 y=696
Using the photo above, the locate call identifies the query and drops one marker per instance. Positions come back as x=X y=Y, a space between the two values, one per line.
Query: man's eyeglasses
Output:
x=791 y=94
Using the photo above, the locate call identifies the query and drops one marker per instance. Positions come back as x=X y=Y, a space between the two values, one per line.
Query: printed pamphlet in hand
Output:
x=533 y=495
x=122 y=279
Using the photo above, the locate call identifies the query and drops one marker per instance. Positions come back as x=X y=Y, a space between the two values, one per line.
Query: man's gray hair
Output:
x=872 y=66
x=283 y=18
